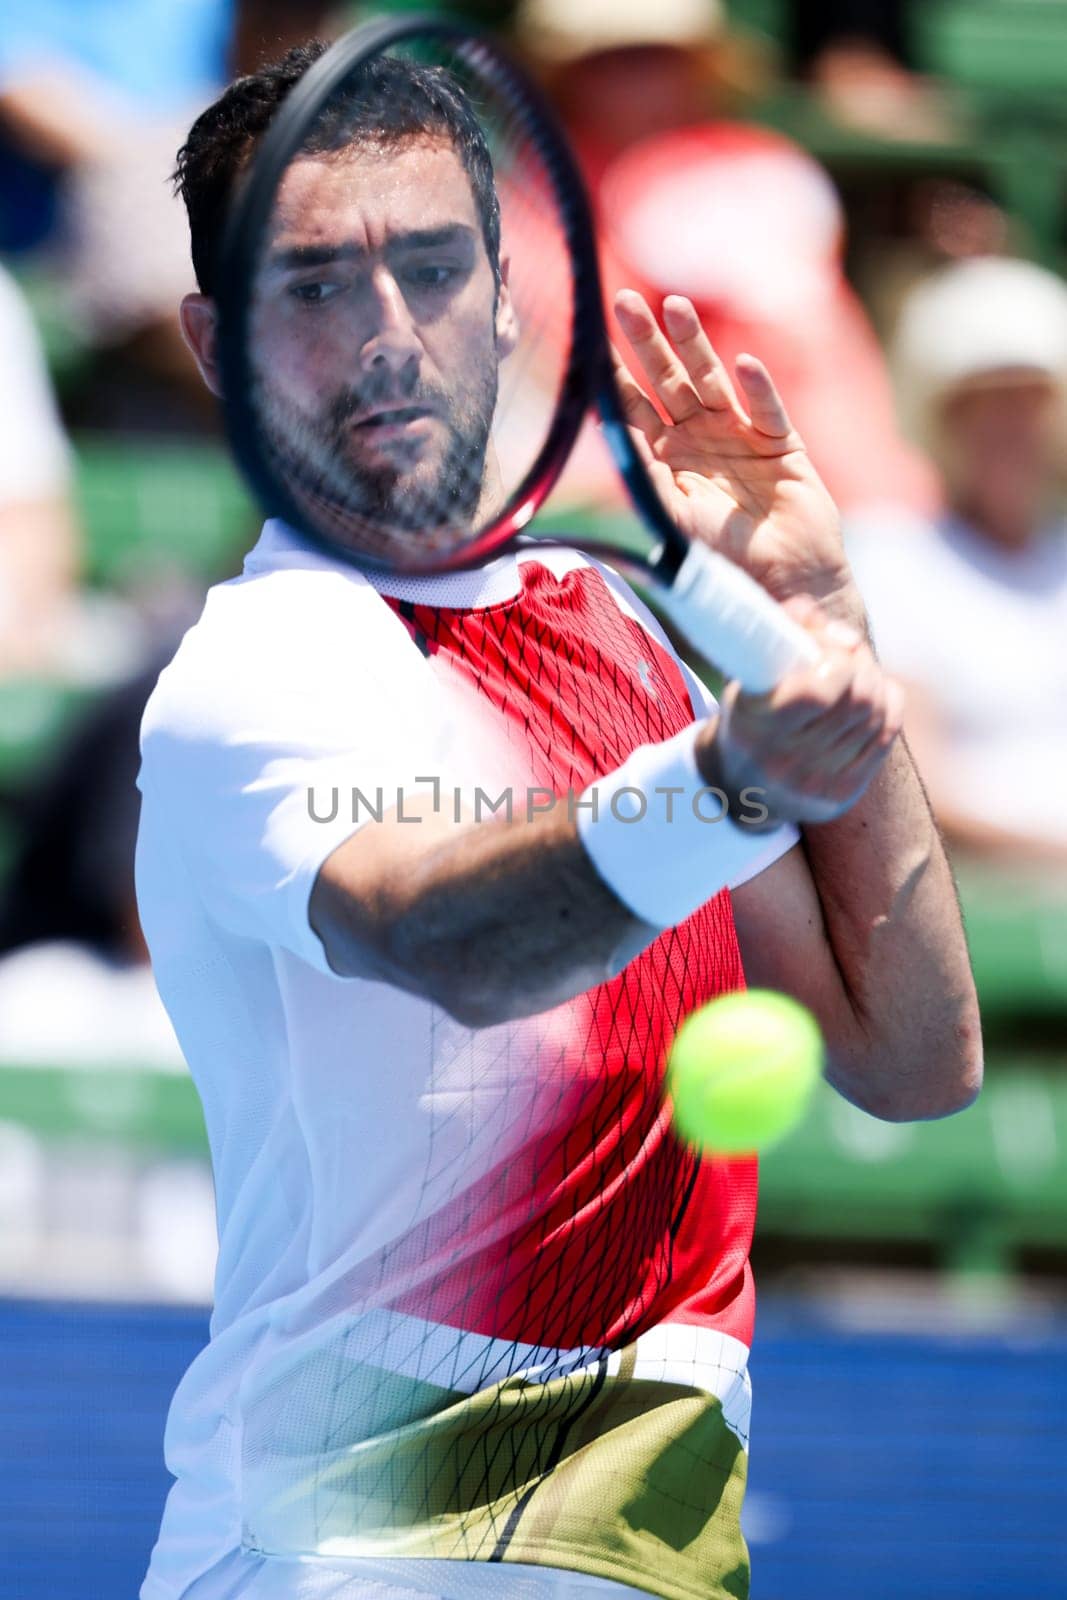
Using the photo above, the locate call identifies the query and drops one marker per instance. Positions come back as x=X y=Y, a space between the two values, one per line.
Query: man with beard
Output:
x=482 y=1319
x=380 y=310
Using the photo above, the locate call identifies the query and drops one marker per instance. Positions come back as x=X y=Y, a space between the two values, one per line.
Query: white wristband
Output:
x=659 y=836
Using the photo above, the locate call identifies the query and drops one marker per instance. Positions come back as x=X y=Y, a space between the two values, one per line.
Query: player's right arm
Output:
x=497 y=919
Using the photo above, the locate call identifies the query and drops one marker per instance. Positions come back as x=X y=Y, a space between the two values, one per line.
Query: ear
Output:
x=199 y=325
x=507 y=321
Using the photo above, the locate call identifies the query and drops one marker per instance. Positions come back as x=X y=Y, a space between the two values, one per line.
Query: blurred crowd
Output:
x=921 y=348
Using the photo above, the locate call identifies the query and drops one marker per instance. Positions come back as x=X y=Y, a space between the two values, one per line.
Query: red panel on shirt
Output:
x=623 y=1227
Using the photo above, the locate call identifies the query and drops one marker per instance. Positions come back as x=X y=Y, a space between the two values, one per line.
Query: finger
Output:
x=706 y=371
x=667 y=376
x=858 y=713
x=889 y=724
x=862 y=729
x=857 y=743
x=824 y=766
x=637 y=408
x=765 y=407
x=827 y=701
x=856 y=778
x=822 y=712
x=869 y=757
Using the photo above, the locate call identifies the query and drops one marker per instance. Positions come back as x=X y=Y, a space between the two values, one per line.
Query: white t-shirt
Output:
x=984 y=632
x=346 y=1115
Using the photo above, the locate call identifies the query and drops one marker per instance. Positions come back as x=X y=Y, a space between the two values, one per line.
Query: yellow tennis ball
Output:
x=742 y=1070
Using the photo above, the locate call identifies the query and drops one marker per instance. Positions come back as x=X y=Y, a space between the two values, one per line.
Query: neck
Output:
x=491 y=501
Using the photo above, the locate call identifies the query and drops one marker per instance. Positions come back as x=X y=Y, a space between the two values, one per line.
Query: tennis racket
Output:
x=412 y=331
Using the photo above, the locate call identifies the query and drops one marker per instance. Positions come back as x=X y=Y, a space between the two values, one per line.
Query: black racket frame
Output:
x=588 y=381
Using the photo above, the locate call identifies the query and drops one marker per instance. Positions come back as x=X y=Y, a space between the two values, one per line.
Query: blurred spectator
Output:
x=49 y=626
x=739 y=219
x=970 y=608
x=620 y=70
x=101 y=95
x=38 y=537
x=75 y=983
x=857 y=55
x=877 y=25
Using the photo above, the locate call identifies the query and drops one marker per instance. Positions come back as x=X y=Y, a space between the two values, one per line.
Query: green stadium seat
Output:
x=981 y=1184
x=1015 y=46
x=768 y=17
x=34 y=714
x=65 y=349
x=1017 y=933
x=152 y=508
x=142 y=1108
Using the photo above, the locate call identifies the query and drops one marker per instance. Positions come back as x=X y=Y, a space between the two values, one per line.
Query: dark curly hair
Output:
x=384 y=102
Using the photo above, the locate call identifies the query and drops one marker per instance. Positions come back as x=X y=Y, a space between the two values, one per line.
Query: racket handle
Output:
x=732 y=620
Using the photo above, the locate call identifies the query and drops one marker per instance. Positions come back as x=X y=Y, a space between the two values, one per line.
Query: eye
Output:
x=313 y=294
x=431 y=275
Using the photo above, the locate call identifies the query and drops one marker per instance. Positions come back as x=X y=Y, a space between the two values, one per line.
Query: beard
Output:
x=375 y=501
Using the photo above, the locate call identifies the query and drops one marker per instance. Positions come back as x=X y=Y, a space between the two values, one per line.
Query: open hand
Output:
x=732 y=473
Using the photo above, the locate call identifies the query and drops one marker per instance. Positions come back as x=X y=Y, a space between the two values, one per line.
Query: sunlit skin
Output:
x=412 y=907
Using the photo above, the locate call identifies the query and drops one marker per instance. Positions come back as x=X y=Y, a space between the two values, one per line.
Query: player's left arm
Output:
x=860 y=920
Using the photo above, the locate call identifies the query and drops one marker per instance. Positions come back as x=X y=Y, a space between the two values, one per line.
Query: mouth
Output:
x=393 y=421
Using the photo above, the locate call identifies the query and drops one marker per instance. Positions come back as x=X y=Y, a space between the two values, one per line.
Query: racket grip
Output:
x=732 y=620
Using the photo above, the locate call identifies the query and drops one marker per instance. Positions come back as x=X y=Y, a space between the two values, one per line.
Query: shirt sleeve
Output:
x=258 y=777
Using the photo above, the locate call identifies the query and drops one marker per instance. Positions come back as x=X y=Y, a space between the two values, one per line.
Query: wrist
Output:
x=834 y=590
x=660 y=836
x=842 y=602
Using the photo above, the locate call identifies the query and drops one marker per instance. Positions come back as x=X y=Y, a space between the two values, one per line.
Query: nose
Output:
x=394 y=341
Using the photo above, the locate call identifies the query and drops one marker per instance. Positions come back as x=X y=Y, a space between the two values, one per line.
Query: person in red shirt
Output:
x=739 y=218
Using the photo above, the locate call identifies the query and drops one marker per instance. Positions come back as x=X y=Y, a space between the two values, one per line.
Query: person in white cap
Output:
x=619 y=69
x=970 y=608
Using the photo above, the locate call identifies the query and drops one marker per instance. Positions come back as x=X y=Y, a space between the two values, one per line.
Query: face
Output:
x=378 y=331
x=1000 y=435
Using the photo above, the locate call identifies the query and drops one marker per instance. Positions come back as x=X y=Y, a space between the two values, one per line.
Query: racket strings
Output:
x=403 y=393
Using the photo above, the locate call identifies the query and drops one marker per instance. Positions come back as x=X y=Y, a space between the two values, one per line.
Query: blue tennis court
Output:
x=882 y=1465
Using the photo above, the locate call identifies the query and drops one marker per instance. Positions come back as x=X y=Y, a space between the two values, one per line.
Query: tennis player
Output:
x=482 y=1321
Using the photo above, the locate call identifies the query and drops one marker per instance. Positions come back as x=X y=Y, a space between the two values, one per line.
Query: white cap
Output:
x=978 y=317
x=561 y=30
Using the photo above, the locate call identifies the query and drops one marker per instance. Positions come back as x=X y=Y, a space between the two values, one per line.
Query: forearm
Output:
x=511 y=919
x=893 y=923
x=513 y=916
x=491 y=920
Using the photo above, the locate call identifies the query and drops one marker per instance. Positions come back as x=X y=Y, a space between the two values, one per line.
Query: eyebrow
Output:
x=293 y=258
